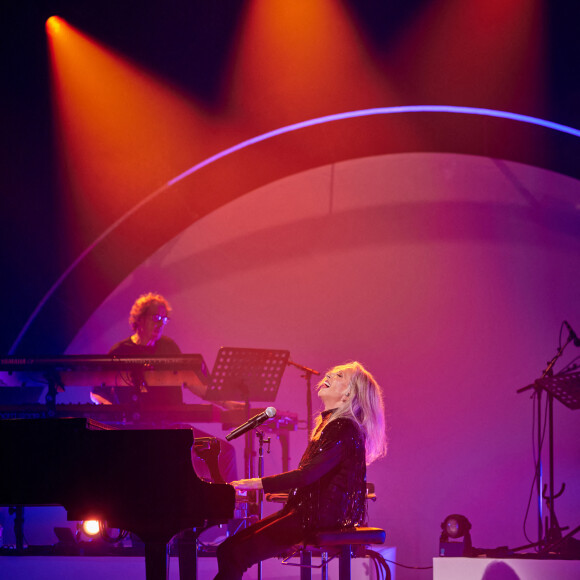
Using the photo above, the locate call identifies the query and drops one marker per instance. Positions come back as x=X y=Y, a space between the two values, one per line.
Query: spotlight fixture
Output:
x=91 y=527
x=94 y=528
x=455 y=527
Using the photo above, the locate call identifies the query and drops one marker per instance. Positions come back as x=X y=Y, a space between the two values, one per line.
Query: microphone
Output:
x=572 y=334
x=252 y=423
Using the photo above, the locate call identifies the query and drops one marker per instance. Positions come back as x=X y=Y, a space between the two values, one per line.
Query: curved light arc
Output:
x=368 y=113
x=275 y=133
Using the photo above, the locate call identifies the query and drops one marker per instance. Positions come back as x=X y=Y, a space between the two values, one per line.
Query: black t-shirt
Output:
x=165 y=346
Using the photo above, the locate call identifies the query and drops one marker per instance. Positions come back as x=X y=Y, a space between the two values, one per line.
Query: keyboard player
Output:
x=148 y=317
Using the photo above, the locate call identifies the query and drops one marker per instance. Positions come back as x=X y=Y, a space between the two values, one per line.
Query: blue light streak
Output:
x=368 y=113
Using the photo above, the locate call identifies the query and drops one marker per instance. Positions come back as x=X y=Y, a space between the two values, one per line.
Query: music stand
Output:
x=565 y=387
x=246 y=374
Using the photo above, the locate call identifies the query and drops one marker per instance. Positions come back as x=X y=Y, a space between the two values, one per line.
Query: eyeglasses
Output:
x=158 y=318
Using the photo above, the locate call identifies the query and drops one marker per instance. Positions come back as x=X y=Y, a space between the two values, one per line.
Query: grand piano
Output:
x=139 y=480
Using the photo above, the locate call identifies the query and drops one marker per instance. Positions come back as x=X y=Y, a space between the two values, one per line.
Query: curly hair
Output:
x=365 y=407
x=142 y=304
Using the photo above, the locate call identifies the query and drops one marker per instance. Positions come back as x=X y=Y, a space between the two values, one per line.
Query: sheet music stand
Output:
x=246 y=374
x=566 y=388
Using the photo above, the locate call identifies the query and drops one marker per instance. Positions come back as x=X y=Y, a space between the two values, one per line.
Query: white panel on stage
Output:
x=504 y=569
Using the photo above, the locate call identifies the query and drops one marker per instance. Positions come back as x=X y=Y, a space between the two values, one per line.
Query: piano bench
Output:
x=338 y=542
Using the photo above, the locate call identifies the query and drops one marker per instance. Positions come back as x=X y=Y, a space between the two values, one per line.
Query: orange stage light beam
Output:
x=301 y=59
x=121 y=132
x=483 y=53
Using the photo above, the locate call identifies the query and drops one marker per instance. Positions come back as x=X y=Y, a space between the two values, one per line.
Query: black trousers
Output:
x=267 y=538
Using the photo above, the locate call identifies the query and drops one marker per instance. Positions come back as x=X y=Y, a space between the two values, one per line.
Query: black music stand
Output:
x=565 y=387
x=246 y=374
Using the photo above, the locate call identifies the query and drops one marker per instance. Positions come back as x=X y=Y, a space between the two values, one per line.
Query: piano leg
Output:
x=18 y=511
x=156 y=560
x=187 y=554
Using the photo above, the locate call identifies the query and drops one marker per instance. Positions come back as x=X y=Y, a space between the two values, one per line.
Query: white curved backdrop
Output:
x=447 y=275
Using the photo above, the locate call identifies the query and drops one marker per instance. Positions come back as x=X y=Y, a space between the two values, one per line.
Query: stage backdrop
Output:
x=447 y=275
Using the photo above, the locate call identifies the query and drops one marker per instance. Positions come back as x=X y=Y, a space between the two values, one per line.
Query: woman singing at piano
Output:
x=328 y=489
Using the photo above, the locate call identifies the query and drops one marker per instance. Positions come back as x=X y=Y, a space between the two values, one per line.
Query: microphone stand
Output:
x=261 y=441
x=308 y=376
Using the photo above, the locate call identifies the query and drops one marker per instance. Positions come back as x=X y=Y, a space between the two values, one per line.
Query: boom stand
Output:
x=566 y=388
x=308 y=376
x=262 y=440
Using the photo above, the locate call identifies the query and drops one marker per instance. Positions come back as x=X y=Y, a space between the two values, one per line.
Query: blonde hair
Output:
x=364 y=406
x=142 y=304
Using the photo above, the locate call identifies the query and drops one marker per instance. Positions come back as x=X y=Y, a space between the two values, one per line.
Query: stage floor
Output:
x=133 y=568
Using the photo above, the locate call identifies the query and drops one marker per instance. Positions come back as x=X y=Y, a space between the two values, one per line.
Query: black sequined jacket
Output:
x=328 y=489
